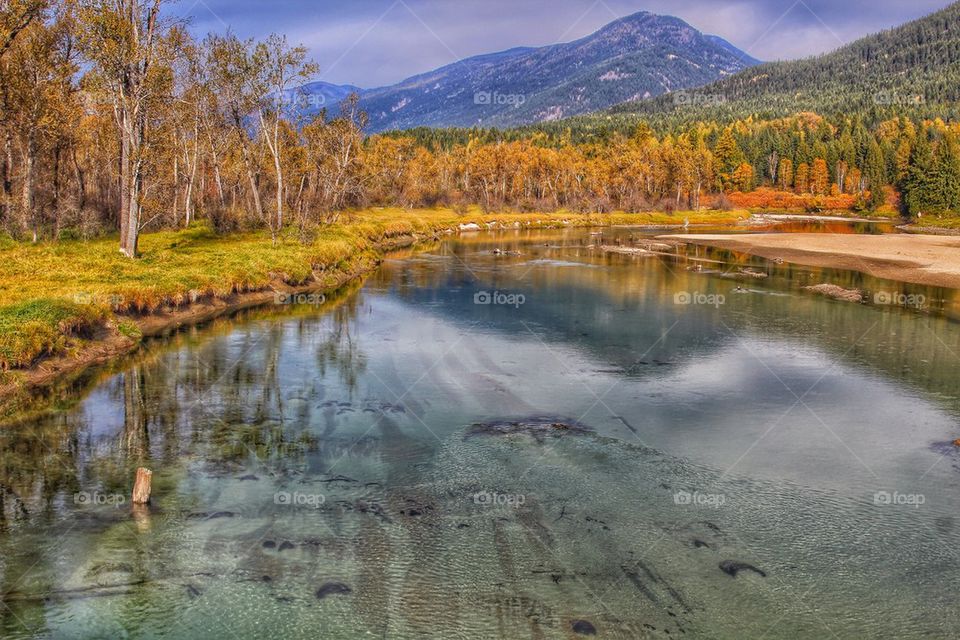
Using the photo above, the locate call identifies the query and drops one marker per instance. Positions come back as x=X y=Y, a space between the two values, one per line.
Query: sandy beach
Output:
x=919 y=259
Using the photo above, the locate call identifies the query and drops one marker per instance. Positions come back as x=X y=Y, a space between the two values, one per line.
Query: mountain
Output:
x=914 y=68
x=639 y=56
x=319 y=95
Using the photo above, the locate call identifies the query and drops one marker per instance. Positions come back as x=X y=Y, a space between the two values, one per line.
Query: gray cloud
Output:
x=373 y=42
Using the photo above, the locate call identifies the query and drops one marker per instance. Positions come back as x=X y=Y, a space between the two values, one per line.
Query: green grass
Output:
x=941 y=223
x=35 y=328
x=130 y=330
x=52 y=293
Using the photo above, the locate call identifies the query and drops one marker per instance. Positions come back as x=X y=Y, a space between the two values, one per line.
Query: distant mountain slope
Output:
x=914 y=67
x=323 y=94
x=642 y=55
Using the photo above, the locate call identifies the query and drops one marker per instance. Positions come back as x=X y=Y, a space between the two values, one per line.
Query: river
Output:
x=513 y=435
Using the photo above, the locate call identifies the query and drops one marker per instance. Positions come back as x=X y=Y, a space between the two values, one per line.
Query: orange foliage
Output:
x=766 y=198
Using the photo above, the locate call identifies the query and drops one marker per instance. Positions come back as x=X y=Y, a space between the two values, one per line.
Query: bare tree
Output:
x=123 y=39
x=282 y=71
x=236 y=88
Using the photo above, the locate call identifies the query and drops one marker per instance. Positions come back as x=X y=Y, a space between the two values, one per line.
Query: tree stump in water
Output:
x=141 y=486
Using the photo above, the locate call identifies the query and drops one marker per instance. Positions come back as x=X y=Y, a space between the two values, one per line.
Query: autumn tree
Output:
x=728 y=154
x=785 y=174
x=235 y=86
x=38 y=71
x=802 y=180
x=191 y=98
x=743 y=177
x=282 y=70
x=123 y=39
x=15 y=17
x=334 y=154
x=819 y=177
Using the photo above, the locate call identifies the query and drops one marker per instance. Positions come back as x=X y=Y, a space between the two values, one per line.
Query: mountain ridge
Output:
x=640 y=55
x=911 y=67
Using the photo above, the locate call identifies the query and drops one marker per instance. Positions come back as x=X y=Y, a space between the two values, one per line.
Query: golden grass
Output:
x=52 y=292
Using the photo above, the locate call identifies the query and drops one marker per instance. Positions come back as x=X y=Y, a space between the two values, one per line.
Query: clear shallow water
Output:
x=312 y=450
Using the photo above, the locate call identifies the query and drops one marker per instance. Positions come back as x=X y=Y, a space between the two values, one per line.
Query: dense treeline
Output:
x=114 y=118
x=804 y=154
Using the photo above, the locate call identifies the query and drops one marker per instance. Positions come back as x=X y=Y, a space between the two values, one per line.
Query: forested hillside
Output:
x=914 y=68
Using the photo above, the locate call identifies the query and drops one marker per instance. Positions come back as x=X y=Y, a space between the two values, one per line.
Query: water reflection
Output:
x=315 y=472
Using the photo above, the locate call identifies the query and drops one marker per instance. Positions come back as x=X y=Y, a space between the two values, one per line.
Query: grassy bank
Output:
x=55 y=296
x=953 y=224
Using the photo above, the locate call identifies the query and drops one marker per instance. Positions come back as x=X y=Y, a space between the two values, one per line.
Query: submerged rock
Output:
x=837 y=292
x=338 y=478
x=583 y=628
x=110 y=567
x=414 y=508
x=630 y=251
x=537 y=427
x=740 y=274
x=211 y=515
x=333 y=589
x=732 y=568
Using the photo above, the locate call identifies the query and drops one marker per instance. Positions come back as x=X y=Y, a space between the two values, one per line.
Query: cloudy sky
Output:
x=374 y=42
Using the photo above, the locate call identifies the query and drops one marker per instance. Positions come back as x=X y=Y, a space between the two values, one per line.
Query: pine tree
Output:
x=918 y=185
x=946 y=177
x=728 y=154
x=875 y=173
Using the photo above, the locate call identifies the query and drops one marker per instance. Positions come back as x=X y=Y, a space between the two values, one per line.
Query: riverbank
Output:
x=70 y=305
x=918 y=259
